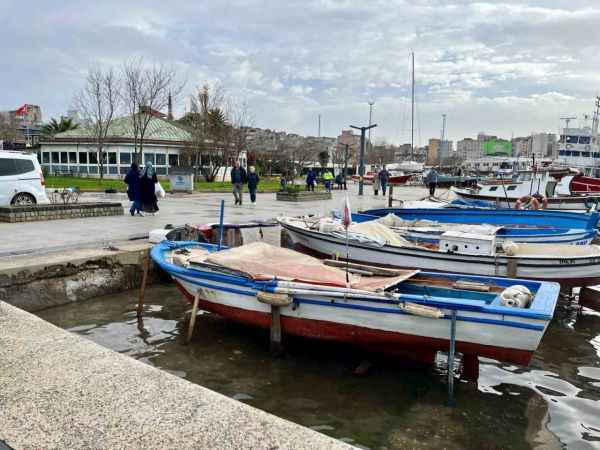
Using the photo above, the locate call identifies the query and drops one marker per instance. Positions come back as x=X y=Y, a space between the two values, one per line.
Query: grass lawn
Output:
x=97 y=185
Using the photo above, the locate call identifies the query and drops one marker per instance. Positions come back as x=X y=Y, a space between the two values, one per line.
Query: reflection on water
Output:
x=554 y=403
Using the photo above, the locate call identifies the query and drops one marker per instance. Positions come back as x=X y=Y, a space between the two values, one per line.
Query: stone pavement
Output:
x=179 y=209
x=60 y=391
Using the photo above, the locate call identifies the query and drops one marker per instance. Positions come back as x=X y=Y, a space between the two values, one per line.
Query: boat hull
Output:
x=569 y=273
x=499 y=217
x=315 y=324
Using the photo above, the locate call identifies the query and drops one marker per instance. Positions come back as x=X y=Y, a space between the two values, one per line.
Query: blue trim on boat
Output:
x=506 y=323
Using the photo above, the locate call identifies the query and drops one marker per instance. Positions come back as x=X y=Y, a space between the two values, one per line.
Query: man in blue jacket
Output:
x=238 y=179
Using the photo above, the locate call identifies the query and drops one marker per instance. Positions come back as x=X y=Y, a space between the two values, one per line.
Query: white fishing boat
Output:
x=375 y=243
x=402 y=312
x=540 y=187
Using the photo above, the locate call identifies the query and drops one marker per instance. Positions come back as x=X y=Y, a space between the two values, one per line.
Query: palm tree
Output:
x=54 y=127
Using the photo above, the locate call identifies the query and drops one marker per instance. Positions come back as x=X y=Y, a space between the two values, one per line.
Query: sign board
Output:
x=498 y=147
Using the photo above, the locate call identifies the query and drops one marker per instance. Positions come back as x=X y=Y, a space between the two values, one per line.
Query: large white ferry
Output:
x=580 y=147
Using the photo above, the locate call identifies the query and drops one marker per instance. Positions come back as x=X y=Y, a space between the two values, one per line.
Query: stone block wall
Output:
x=59 y=211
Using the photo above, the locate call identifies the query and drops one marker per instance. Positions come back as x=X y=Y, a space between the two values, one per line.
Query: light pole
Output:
x=371 y=103
x=361 y=163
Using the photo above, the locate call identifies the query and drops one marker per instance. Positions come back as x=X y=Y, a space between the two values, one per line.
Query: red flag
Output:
x=21 y=111
x=347 y=215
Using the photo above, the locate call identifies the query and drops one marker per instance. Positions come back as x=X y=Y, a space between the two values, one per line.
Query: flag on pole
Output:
x=347 y=214
x=21 y=111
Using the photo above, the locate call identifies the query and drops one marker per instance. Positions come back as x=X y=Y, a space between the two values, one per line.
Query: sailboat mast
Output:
x=412 y=114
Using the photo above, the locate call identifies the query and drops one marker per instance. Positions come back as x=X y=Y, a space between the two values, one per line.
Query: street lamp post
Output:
x=361 y=163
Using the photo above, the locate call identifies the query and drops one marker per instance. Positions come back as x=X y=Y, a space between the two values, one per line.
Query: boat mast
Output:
x=596 y=117
x=442 y=137
x=412 y=114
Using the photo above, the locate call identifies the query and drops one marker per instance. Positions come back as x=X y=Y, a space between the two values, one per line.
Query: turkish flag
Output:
x=21 y=111
x=347 y=213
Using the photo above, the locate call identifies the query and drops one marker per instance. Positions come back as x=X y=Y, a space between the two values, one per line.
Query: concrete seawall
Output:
x=60 y=391
x=35 y=282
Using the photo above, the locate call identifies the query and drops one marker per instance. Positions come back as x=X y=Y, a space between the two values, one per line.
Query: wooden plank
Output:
x=379 y=271
x=140 y=307
x=193 y=317
x=276 y=347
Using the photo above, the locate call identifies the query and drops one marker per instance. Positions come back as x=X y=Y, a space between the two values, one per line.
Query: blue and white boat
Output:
x=498 y=217
x=425 y=229
x=403 y=312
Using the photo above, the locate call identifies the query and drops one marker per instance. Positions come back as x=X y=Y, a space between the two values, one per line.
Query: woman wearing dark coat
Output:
x=132 y=179
x=253 y=181
x=148 y=181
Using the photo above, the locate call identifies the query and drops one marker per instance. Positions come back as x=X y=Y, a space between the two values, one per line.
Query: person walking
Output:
x=253 y=181
x=311 y=179
x=376 y=182
x=431 y=179
x=384 y=178
x=132 y=179
x=327 y=179
x=238 y=179
x=148 y=182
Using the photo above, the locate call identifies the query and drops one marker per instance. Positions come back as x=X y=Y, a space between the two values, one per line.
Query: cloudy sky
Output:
x=504 y=67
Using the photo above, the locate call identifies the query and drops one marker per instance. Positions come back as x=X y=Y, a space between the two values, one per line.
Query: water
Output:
x=554 y=403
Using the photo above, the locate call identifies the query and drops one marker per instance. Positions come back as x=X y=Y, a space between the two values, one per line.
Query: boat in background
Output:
x=428 y=231
x=408 y=313
x=374 y=243
x=499 y=217
x=506 y=193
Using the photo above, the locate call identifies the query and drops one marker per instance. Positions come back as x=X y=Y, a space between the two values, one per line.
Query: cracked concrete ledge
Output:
x=35 y=282
x=58 y=391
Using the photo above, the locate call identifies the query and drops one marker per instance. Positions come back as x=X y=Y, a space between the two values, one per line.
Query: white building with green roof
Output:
x=74 y=152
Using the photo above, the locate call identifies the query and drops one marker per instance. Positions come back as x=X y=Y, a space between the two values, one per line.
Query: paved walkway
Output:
x=36 y=237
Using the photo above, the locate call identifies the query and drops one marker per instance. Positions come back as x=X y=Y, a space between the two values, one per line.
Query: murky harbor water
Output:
x=554 y=403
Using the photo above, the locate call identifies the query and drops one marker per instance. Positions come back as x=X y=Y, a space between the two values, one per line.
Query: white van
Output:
x=21 y=179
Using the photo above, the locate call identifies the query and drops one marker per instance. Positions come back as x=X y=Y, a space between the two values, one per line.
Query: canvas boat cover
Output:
x=261 y=261
x=424 y=225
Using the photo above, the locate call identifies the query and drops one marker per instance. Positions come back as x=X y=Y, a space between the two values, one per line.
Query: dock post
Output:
x=276 y=347
x=391 y=196
x=193 y=317
x=451 y=401
x=221 y=224
x=140 y=306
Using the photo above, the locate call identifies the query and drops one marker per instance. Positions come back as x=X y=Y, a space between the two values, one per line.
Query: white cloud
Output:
x=502 y=66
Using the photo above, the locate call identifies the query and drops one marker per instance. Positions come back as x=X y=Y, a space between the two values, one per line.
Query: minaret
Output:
x=170 y=108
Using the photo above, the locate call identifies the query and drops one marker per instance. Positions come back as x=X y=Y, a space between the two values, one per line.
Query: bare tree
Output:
x=8 y=128
x=146 y=91
x=98 y=103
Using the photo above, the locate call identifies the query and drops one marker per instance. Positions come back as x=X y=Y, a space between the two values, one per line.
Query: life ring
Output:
x=532 y=202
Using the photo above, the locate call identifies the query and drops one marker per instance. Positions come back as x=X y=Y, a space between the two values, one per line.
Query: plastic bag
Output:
x=159 y=191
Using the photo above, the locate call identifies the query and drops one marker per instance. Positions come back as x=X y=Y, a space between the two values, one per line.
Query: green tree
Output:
x=54 y=127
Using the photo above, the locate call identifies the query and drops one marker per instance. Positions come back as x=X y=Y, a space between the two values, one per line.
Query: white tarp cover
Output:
x=262 y=261
x=379 y=231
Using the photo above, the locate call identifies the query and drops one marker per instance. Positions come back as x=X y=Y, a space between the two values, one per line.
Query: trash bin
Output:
x=182 y=179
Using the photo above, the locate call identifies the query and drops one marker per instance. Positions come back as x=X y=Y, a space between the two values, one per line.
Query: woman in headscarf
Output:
x=132 y=179
x=148 y=182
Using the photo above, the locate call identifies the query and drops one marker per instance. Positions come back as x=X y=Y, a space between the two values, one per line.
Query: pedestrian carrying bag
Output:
x=159 y=191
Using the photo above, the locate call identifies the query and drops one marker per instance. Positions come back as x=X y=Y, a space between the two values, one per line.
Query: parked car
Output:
x=21 y=179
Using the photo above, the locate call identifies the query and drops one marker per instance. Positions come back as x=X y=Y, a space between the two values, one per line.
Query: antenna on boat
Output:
x=412 y=114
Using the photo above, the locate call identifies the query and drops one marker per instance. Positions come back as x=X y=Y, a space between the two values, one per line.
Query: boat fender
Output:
x=421 y=310
x=510 y=248
x=516 y=296
x=273 y=299
x=531 y=202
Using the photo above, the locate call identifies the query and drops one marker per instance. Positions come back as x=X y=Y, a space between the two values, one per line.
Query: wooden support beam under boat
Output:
x=190 y=333
x=276 y=301
x=589 y=297
x=146 y=268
